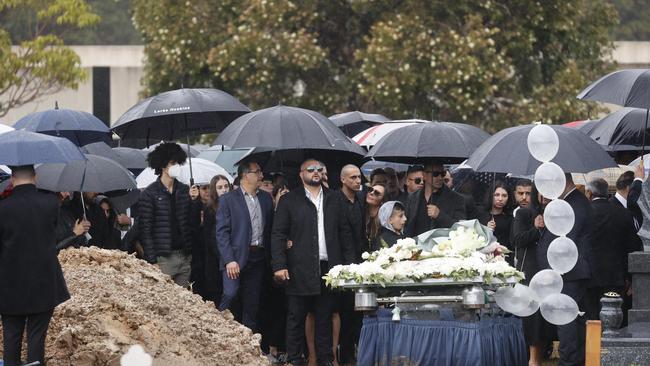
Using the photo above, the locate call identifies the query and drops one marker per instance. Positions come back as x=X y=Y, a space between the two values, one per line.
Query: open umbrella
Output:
x=628 y=88
x=420 y=142
x=286 y=134
x=22 y=147
x=369 y=137
x=621 y=130
x=507 y=152
x=351 y=123
x=203 y=171
x=96 y=174
x=100 y=149
x=132 y=159
x=77 y=126
x=5 y=128
x=179 y=113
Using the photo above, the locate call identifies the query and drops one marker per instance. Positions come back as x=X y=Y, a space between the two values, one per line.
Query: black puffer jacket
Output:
x=156 y=221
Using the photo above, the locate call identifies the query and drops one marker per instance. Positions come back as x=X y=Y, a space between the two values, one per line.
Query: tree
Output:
x=634 y=15
x=41 y=64
x=491 y=63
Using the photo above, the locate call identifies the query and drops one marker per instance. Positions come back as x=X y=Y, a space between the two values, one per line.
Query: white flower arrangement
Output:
x=456 y=258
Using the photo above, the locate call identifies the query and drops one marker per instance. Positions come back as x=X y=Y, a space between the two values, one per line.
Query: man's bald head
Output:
x=351 y=177
x=348 y=170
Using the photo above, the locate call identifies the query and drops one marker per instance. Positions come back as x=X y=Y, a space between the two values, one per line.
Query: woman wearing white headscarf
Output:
x=392 y=217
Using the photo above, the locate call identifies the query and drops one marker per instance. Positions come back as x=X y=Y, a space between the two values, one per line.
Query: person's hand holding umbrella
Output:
x=81 y=227
x=639 y=171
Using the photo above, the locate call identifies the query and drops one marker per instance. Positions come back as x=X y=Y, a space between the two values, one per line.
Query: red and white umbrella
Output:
x=368 y=138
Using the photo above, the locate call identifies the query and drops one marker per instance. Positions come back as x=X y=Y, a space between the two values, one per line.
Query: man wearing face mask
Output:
x=164 y=215
x=434 y=206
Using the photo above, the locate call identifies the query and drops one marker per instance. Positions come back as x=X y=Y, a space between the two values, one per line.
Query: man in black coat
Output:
x=31 y=280
x=311 y=218
x=614 y=237
x=165 y=227
x=572 y=335
x=628 y=191
x=435 y=205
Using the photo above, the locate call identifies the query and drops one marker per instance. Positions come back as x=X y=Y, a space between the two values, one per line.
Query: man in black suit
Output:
x=614 y=237
x=434 y=206
x=628 y=191
x=31 y=280
x=311 y=218
x=572 y=335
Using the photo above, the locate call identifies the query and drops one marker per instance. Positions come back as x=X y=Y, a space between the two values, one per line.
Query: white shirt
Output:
x=621 y=199
x=318 y=202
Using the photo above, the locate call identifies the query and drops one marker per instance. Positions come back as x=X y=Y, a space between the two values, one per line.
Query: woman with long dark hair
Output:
x=375 y=197
x=498 y=215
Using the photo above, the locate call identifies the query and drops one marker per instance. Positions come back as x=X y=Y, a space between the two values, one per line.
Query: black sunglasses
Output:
x=312 y=168
x=374 y=192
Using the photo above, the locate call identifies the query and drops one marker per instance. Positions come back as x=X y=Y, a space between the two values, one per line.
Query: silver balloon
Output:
x=559 y=309
x=528 y=310
x=543 y=143
x=550 y=180
x=559 y=217
x=562 y=254
x=546 y=282
x=516 y=300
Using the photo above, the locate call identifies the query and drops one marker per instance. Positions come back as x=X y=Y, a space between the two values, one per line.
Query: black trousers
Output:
x=13 y=327
x=297 y=309
x=572 y=335
x=351 y=321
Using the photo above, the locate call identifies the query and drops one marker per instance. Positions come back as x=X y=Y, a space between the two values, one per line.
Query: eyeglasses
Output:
x=435 y=174
x=375 y=192
x=257 y=172
x=313 y=168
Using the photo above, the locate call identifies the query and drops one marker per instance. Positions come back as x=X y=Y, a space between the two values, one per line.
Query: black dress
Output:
x=503 y=223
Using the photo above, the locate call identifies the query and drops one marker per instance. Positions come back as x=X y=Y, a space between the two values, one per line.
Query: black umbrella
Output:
x=22 y=147
x=507 y=152
x=621 y=130
x=179 y=113
x=80 y=127
x=286 y=128
x=351 y=123
x=628 y=88
x=447 y=141
x=100 y=149
x=132 y=159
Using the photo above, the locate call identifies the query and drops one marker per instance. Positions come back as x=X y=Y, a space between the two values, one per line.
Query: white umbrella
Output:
x=369 y=137
x=4 y=128
x=203 y=171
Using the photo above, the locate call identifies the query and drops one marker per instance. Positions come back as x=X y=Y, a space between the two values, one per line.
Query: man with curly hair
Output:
x=165 y=215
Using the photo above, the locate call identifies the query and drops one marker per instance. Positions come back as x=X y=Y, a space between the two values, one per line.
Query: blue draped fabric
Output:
x=490 y=341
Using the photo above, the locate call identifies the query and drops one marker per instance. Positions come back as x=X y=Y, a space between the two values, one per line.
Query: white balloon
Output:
x=546 y=282
x=550 y=180
x=559 y=217
x=528 y=310
x=559 y=309
x=562 y=254
x=516 y=300
x=543 y=143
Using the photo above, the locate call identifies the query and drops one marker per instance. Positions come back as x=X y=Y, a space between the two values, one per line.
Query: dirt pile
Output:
x=118 y=300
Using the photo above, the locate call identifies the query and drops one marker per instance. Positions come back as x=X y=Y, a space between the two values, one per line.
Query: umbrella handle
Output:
x=189 y=157
x=83 y=204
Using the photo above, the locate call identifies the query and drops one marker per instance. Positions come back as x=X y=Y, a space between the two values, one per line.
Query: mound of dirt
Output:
x=118 y=301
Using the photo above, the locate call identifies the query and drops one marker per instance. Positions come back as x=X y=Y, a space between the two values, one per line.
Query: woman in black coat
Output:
x=498 y=216
x=525 y=234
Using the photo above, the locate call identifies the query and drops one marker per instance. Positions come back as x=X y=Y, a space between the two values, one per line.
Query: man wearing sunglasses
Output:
x=414 y=178
x=435 y=205
x=311 y=218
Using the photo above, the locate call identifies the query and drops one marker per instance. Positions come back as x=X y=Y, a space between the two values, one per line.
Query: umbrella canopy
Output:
x=100 y=149
x=179 y=113
x=96 y=174
x=203 y=171
x=628 y=88
x=286 y=128
x=507 y=152
x=22 y=147
x=131 y=158
x=77 y=126
x=611 y=175
x=448 y=141
x=5 y=128
x=368 y=138
x=351 y=123
x=621 y=130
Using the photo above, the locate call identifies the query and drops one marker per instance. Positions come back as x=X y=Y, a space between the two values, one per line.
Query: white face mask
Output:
x=174 y=171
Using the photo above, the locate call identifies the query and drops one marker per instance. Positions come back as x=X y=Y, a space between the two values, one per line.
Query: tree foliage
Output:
x=41 y=64
x=491 y=63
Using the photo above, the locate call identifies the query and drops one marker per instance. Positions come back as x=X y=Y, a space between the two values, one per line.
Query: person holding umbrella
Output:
x=434 y=206
x=165 y=215
x=31 y=280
